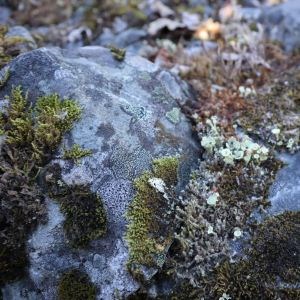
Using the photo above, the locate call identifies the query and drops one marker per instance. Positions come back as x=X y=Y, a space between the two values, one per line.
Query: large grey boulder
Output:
x=131 y=115
x=283 y=23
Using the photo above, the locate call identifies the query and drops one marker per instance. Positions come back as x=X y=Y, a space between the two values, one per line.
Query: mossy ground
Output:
x=30 y=135
x=148 y=231
x=76 y=285
x=273 y=260
x=277 y=108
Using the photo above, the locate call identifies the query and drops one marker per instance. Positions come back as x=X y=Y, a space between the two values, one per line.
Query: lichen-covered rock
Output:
x=283 y=24
x=130 y=117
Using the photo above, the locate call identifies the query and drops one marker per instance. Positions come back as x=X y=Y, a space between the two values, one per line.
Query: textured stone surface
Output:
x=283 y=23
x=130 y=116
x=285 y=192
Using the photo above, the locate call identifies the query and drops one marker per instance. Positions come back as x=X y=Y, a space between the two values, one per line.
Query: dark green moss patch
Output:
x=84 y=212
x=85 y=215
x=30 y=135
x=148 y=231
x=76 y=285
x=272 y=260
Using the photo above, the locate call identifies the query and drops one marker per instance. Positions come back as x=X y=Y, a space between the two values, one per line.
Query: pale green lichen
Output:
x=232 y=149
x=174 y=115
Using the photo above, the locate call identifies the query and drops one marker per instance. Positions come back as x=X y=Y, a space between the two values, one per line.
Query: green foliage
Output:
x=76 y=285
x=76 y=152
x=31 y=135
x=148 y=234
x=40 y=130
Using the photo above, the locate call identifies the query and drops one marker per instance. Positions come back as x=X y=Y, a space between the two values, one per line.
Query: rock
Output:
x=285 y=192
x=4 y=14
x=126 y=123
x=123 y=39
x=283 y=24
x=19 y=32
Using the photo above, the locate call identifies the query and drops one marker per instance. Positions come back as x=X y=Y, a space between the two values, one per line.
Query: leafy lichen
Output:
x=76 y=285
x=147 y=234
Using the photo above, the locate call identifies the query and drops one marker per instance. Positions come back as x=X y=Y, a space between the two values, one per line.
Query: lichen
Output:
x=174 y=115
x=216 y=206
x=31 y=135
x=149 y=231
x=274 y=115
x=76 y=285
x=76 y=153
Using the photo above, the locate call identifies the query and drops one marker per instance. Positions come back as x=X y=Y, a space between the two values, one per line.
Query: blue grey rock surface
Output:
x=128 y=120
x=283 y=24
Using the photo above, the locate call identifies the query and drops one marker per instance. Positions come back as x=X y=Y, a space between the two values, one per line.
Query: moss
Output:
x=118 y=53
x=278 y=108
x=8 y=49
x=148 y=232
x=272 y=260
x=31 y=135
x=75 y=153
x=5 y=77
x=40 y=130
x=85 y=215
x=76 y=285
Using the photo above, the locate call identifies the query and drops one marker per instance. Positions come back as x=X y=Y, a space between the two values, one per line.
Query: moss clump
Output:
x=76 y=285
x=76 y=152
x=31 y=135
x=37 y=132
x=272 y=262
x=85 y=215
x=148 y=231
x=118 y=53
x=84 y=212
